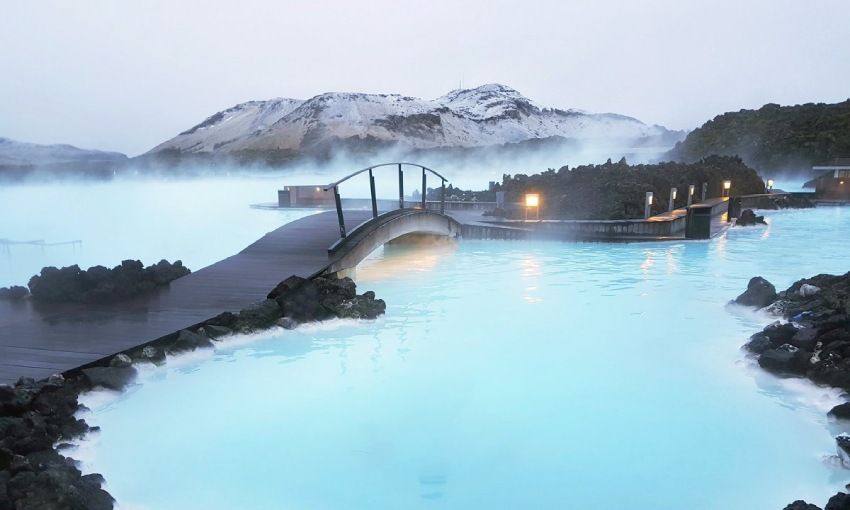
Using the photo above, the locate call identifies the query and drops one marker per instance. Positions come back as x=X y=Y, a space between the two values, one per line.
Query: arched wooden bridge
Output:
x=40 y=340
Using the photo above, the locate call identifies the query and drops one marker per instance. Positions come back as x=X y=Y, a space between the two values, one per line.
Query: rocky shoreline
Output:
x=38 y=418
x=814 y=342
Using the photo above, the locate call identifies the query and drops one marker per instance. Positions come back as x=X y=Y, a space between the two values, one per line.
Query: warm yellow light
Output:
x=727 y=184
x=532 y=200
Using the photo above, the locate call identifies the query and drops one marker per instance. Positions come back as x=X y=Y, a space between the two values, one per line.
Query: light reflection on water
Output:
x=505 y=375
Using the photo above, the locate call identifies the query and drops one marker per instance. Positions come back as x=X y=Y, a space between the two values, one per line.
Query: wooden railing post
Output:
x=423 y=188
x=339 y=217
x=374 y=198
x=400 y=187
x=443 y=197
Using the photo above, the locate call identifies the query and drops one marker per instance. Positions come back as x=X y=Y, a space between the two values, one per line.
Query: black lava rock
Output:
x=748 y=218
x=759 y=293
x=785 y=359
x=215 y=332
x=759 y=343
x=188 y=341
x=840 y=501
x=33 y=475
x=841 y=411
x=261 y=315
x=13 y=293
x=101 y=285
x=113 y=378
x=805 y=339
x=325 y=298
x=801 y=505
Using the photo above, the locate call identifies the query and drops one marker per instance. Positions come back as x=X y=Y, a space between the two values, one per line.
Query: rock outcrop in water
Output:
x=759 y=293
x=33 y=474
x=840 y=501
x=99 y=284
x=37 y=415
x=748 y=218
x=813 y=343
x=13 y=293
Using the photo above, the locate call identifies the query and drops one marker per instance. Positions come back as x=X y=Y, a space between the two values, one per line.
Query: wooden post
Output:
x=443 y=197
x=374 y=198
x=423 y=189
x=400 y=187
x=339 y=212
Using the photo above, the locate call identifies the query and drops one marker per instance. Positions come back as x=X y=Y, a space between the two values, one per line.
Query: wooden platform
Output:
x=38 y=340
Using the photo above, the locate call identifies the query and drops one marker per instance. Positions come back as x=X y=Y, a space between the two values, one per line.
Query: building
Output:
x=832 y=180
x=305 y=196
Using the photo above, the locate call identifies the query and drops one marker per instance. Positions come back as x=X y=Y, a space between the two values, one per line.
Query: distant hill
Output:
x=18 y=159
x=279 y=130
x=773 y=139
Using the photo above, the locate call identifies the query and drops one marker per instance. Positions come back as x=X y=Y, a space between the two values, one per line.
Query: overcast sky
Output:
x=126 y=75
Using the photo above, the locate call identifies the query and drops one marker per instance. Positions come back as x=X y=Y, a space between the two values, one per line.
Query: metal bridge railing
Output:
x=425 y=170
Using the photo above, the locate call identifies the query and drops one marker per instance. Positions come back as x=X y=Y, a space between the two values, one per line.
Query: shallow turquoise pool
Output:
x=504 y=375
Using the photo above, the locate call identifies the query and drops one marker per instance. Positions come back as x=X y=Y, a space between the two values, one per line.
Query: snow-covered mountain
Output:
x=22 y=154
x=484 y=116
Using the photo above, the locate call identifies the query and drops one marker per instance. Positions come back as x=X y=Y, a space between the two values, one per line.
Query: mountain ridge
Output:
x=489 y=115
x=17 y=153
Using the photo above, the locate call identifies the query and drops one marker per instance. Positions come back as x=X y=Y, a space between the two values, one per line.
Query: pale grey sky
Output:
x=126 y=75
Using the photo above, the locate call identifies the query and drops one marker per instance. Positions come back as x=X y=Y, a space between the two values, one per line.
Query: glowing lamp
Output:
x=532 y=200
x=675 y=192
x=727 y=185
x=770 y=184
x=647 y=207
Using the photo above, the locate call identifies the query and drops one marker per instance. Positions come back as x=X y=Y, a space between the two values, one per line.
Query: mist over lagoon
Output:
x=377 y=255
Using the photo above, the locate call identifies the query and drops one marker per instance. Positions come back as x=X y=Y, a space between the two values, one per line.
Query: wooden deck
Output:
x=38 y=340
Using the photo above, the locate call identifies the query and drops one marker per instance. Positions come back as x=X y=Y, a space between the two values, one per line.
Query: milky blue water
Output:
x=504 y=375
x=199 y=221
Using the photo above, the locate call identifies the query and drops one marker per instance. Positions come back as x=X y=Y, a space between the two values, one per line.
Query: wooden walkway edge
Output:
x=37 y=340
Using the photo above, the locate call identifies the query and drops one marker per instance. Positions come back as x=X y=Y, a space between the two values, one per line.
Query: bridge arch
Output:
x=352 y=247
x=349 y=251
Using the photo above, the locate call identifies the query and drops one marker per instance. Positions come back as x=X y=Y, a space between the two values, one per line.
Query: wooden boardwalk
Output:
x=38 y=340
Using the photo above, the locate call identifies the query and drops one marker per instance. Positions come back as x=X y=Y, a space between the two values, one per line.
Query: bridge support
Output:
x=346 y=253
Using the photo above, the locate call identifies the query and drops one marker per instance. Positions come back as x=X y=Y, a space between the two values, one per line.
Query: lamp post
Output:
x=532 y=200
x=769 y=184
x=727 y=186
x=647 y=208
x=672 y=204
x=691 y=191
